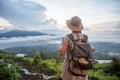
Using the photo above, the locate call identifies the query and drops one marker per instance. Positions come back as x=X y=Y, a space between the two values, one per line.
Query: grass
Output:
x=98 y=71
x=52 y=67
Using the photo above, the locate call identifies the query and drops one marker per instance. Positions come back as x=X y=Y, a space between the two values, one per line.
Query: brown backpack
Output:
x=79 y=56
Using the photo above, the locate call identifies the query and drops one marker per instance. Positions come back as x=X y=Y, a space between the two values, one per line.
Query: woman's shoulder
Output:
x=85 y=35
x=66 y=36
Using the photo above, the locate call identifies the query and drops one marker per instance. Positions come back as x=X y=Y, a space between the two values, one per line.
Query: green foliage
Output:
x=98 y=72
x=37 y=59
x=26 y=59
x=46 y=66
x=52 y=67
x=42 y=54
x=114 y=67
x=8 y=70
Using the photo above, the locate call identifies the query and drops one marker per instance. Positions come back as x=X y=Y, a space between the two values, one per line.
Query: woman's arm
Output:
x=63 y=49
x=64 y=45
x=92 y=48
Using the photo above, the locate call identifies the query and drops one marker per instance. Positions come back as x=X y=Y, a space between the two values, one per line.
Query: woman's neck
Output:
x=76 y=31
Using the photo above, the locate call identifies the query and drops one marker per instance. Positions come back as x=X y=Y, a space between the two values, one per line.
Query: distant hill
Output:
x=20 y=33
x=50 y=50
x=102 y=50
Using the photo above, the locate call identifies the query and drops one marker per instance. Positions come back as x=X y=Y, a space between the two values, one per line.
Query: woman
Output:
x=76 y=27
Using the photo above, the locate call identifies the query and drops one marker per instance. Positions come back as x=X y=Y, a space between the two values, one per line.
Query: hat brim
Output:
x=74 y=28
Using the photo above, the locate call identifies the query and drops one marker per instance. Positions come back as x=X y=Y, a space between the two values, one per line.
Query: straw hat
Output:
x=74 y=24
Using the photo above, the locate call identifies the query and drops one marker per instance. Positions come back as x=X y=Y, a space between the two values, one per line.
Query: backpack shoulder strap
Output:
x=85 y=38
x=70 y=36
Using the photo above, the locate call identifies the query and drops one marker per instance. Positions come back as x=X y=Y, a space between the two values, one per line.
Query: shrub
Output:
x=9 y=71
x=114 y=68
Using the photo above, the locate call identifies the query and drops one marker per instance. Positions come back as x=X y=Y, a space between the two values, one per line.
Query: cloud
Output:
x=65 y=9
x=28 y=41
x=103 y=18
x=113 y=26
x=28 y=38
x=23 y=13
x=5 y=24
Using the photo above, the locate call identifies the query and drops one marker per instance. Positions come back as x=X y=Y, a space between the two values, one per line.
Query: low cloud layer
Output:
x=23 y=13
x=28 y=38
x=27 y=41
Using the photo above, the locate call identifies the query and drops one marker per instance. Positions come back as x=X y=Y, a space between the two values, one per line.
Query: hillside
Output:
x=51 y=68
x=49 y=51
x=102 y=50
x=26 y=68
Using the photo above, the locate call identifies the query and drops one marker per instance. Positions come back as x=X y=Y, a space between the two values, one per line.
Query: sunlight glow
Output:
x=91 y=13
x=5 y=24
x=1 y=28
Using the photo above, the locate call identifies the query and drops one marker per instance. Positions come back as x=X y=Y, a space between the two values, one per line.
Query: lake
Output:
x=103 y=61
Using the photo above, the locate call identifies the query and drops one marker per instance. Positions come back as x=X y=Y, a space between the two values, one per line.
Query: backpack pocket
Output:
x=78 y=69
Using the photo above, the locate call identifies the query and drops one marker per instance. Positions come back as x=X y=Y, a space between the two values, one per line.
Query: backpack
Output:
x=79 y=56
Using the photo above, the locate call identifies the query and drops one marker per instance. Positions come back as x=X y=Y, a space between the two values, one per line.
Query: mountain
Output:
x=102 y=50
x=4 y=30
x=50 y=50
x=20 y=33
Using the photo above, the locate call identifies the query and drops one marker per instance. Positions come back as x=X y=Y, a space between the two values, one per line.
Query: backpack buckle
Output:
x=75 y=58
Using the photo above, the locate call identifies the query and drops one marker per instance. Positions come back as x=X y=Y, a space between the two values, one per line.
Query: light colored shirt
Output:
x=66 y=74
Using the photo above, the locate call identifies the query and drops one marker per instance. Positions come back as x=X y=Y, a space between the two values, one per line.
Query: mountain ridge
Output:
x=101 y=52
x=21 y=33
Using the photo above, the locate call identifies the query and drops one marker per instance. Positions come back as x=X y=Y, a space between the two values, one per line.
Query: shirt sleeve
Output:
x=65 y=40
x=92 y=47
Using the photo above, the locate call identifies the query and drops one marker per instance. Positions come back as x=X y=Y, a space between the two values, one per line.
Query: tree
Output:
x=9 y=71
x=114 y=67
x=37 y=59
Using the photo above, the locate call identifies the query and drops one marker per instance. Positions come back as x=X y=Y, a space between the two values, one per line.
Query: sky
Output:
x=48 y=14
x=98 y=10
x=100 y=18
